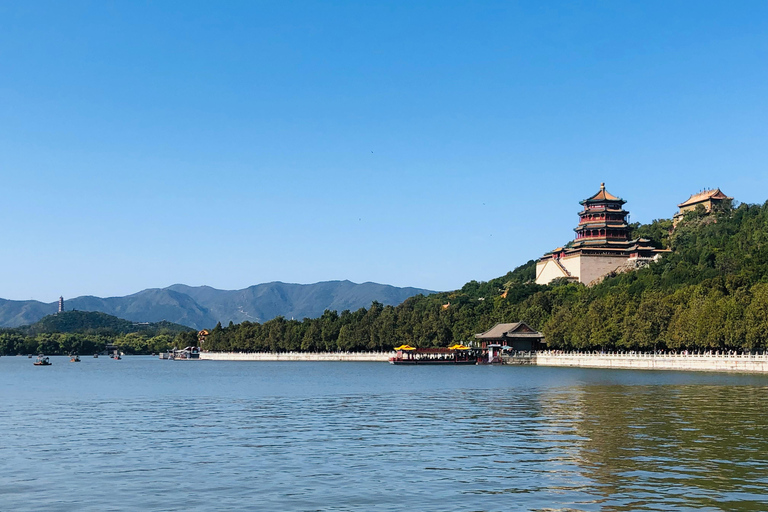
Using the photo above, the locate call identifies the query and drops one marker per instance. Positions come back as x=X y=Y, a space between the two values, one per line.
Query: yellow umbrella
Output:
x=405 y=347
x=458 y=347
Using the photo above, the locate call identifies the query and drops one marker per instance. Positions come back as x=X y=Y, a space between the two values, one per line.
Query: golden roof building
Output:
x=709 y=199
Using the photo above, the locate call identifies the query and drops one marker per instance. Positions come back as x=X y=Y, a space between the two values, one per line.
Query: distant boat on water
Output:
x=187 y=354
x=42 y=361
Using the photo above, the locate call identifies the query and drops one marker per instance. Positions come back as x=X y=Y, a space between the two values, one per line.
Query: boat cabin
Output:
x=456 y=354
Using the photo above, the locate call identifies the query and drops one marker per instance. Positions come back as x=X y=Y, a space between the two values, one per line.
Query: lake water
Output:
x=146 y=434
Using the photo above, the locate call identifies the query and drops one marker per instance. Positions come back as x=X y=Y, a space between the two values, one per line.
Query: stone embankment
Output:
x=750 y=363
x=711 y=362
x=297 y=356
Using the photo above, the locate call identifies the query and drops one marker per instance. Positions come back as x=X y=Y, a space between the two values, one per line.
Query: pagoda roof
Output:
x=595 y=228
x=601 y=246
x=601 y=223
x=587 y=211
x=602 y=195
x=601 y=243
x=704 y=196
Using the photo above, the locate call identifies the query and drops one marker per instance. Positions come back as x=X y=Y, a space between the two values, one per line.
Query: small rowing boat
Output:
x=42 y=361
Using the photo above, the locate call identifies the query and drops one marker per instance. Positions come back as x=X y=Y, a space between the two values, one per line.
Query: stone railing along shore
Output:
x=297 y=356
x=683 y=361
x=707 y=361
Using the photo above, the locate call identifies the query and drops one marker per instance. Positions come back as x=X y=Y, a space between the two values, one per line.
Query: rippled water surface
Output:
x=145 y=434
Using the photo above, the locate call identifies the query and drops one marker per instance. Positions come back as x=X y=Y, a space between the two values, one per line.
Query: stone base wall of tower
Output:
x=594 y=266
x=583 y=267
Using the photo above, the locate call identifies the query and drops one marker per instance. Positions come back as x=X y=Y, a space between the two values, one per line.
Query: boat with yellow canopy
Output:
x=455 y=354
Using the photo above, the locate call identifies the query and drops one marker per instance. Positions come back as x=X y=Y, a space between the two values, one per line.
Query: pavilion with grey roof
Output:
x=518 y=336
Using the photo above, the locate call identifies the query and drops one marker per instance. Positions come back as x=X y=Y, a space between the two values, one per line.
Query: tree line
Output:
x=13 y=342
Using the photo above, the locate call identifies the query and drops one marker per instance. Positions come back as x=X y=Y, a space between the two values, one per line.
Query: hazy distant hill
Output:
x=265 y=301
x=203 y=306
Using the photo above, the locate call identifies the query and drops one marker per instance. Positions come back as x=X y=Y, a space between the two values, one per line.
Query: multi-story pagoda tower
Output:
x=603 y=220
x=602 y=244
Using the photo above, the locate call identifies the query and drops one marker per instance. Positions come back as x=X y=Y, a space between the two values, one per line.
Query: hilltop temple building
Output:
x=602 y=244
x=709 y=199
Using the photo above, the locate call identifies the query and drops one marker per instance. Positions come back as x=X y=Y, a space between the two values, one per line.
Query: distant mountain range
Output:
x=202 y=306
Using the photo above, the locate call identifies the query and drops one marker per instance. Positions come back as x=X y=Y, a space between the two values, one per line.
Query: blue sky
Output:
x=410 y=143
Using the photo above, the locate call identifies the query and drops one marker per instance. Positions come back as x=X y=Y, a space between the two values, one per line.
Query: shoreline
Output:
x=741 y=363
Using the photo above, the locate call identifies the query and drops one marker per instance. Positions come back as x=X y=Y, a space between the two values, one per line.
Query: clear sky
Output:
x=409 y=143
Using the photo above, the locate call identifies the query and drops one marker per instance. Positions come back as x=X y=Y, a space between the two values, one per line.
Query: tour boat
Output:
x=42 y=361
x=187 y=354
x=453 y=355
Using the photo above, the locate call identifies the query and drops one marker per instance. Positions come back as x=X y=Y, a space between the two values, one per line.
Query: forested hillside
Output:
x=94 y=322
x=711 y=292
x=87 y=332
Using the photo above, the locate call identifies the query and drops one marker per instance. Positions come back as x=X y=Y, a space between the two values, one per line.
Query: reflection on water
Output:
x=345 y=436
x=670 y=447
